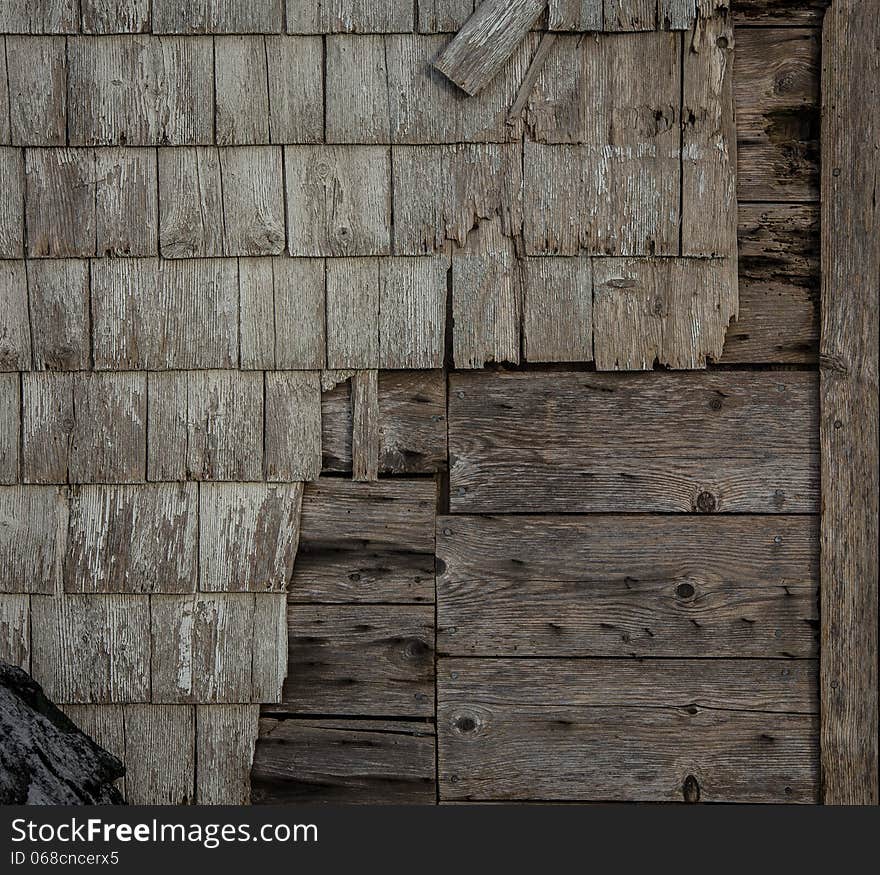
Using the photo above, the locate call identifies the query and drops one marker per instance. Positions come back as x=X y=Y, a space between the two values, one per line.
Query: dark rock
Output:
x=44 y=758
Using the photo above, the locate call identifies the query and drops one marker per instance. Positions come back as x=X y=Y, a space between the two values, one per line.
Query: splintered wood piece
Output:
x=15 y=333
x=33 y=521
x=116 y=16
x=127 y=203
x=15 y=630
x=136 y=539
x=674 y=311
x=557 y=309
x=160 y=761
x=365 y=542
x=365 y=425
x=225 y=738
x=37 y=71
x=486 y=299
x=579 y=15
x=217 y=16
x=296 y=88
x=242 y=88
x=736 y=586
x=293 y=426
x=486 y=41
x=92 y=649
x=11 y=198
x=59 y=310
x=249 y=536
x=352 y=313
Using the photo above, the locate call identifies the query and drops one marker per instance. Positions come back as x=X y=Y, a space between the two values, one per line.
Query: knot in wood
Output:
x=691 y=789
x=706 y=502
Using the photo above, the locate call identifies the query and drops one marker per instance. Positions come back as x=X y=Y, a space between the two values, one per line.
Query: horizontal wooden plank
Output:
x=776 y=84
x=366 y=542
x=365 y=660
x=346 y=762
x=612 y=730
x=583 y=442
x=779 y=12
x=628 y=586
x=412 y=423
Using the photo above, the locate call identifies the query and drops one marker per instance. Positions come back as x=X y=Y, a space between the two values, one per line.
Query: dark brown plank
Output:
x=344 y=762
x=370 y=660
x=628 y=586
x=660 y=730
x=785 y=12
x=412 y=423
x=366 y=542
x=579 y=442
x=776 y=82
x=851 y=267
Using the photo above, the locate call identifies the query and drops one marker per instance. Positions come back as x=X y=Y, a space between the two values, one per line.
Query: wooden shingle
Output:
x=242 y=89
x=4 y=96
x=115 y=16
x=15 y=334
x=299 y=313
x=39 y=16
x=11 y=198
x=676 y=14
x=10 y=428
x=217 y=16
x=15 y=630
x=32 y=525
x=443 y=16
x=225 y=737
x=37 y=73
x=352 y=312
x=126 y=202
x=270 y=633
x=296 y=88
x=350 y=16
x=365 y=426
x=630 y=15
x=583 y=15
x=47 y=427
x=293 y=426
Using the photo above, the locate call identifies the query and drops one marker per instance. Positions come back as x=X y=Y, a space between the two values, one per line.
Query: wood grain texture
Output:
x=132 y=539
x=126 y=202
x=92 y=649
x=46 y=426
x=560 y=729
x=365 y=426
x=539 y=443
x=365 y=762
x=780 y=12
x=412 y=417
x=206 y=425
x=33 y=520
x=576 y=15
x=15 y=630
x=777 y=99
x=486 y=42
x=676 y=14
x=674 y=311
x=12 y=198
x=217 y=16
x=366 y=660
x=269 y=667
x=350 y=16
x=628 y=586
x=225 y=737
x=352 y=313
x=58 y=297
x=296 y=88
x=15 y=332
x=443 y=16
x=10 y=428
x=248 y=536
x=849 y=406
x=4 y=96
x=37 y=80
x=338 y=200
x=292 y=436
x=140 y=91
x=557 y=309
x=366 y=542
x=116 y=16
x=629 y=15
x=299 y=313
x=39 y=16
x=241 y=79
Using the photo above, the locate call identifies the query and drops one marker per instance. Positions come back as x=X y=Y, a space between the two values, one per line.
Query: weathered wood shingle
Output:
x=32 y=536
x=39 y=16
x=126 y=202
x=37 y=77
x=15 y=333
x=350 y=16
x=292 y=432
x=11 y=200
x=217 y=16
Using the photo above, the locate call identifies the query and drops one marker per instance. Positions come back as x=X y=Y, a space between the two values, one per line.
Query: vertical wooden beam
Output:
x=849 y=431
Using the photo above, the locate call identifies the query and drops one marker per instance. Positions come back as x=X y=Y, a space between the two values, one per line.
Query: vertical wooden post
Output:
x=849 y=431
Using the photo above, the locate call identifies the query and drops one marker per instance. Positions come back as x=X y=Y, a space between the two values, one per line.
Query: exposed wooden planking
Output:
x=10 y=427
x=299 y=313
x=412 y=312
x=529 y=442
x=350 y=16
x=126 y=202
x=338 y=200
x=296 y=88
x=60 y=202
x=557 y=309
x=12 y=192
x=779 y=12
x=412 y=417
x=443 y=16
x=576 y=15
x=441 y=193
x=369 y=660
x=39 y=16
x=202 y=648
x=671 y=310
x=778 y=285
x=248 y=536
x=206 y=425
x=159 y=754
x=15 y=630
x=365 y=425
x=242 y=88
x=849 y=407
x=37 y=77
x=346 y=762
x=225 y=737
x=58 y=293
x=217 y=16
x=629 y=15
x=15 y=334
x=134 y=539
x=151 y=314
x=486 y=299
x=140 y=91
x=46 y=427
x=628 y=586
x=352 y=313
x=91 y=649
x=366 y=542
x=777 y=101
x=292 y=436
x=708 y=145
x=116 y=16
x=104 y=724
x=560 y=730
x=33 y=520
x=486 y=42
x=269 y=666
